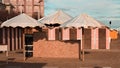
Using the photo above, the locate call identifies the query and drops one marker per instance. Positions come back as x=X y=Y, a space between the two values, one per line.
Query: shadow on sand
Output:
x=3 y=64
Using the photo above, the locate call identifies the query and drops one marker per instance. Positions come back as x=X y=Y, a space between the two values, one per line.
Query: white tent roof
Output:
x=118 y=29
x=21 y=20
x=58 y=17
x=82 y=21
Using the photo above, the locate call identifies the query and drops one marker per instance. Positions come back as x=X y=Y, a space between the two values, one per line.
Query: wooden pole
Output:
x=3 y=35
x=81 y=43
x=83 y=52
x=80 y=51
x=8 y=33
x=24 y=51
x=13 y=39
x=107 y=38
x=16 y=36
x=97 y=38
x=93 y=37
x=7 y=54
x=20 y=46
x=79 y=37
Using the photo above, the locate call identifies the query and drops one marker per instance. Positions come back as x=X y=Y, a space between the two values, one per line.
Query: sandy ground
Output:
x=93 y=59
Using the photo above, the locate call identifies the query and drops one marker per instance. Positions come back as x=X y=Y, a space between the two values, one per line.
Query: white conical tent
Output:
x=118 y=29
x=21 y=20
x=82 y=21
x=58 y=17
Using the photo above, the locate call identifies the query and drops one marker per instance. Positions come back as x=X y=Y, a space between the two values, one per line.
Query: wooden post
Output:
x=79 y=50
x=65 y=34
x=79 y=37
x=108 y=39
x=7 y=54
x=24 y=51
x=16 y=38
x=20 y=38
x=51 y=34
x=93 y=36
x=8 y=33
x=13 y=39
x=83 y=52
x=79 y=33
x=3 y=36
x=97 y=37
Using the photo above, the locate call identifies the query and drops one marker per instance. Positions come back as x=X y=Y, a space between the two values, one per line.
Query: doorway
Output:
x=29 y=45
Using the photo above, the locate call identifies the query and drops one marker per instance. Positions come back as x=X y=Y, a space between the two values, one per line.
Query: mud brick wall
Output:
x=73 y=34
x=87 y=38
x=57 y=34
x=115 y=43
x=102 y=39
x=54 y=49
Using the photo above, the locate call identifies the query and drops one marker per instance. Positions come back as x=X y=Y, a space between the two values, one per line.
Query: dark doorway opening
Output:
x=29 y=45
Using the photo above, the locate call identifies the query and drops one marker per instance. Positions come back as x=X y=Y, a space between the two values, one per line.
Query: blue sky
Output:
x=102 y=10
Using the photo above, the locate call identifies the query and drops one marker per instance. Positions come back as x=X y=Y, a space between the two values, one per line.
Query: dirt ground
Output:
x=93 y=59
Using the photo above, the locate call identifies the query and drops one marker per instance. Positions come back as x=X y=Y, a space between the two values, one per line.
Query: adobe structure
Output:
x=49 y=41
x=67 y=40
x=33 y=8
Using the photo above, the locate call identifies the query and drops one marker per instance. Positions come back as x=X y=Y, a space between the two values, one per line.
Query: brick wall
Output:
x=54 y=49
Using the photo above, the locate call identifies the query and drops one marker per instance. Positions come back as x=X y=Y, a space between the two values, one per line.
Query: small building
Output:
x=15 y=30
x=66 y=41
x=46 y=40
x=96 y=34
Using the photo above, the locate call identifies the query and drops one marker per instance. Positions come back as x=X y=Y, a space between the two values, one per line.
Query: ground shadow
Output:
x=98 y=67
x=86 y=52
x=20 y=52
x=3 y=64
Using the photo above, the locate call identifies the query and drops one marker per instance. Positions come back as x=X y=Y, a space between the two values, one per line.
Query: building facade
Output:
x=33 y=8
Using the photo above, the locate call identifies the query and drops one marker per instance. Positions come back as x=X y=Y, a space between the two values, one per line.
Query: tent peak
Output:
x=58 y=17
x=83 y=20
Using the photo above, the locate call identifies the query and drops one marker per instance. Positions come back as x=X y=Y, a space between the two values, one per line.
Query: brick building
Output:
x=34 y=8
